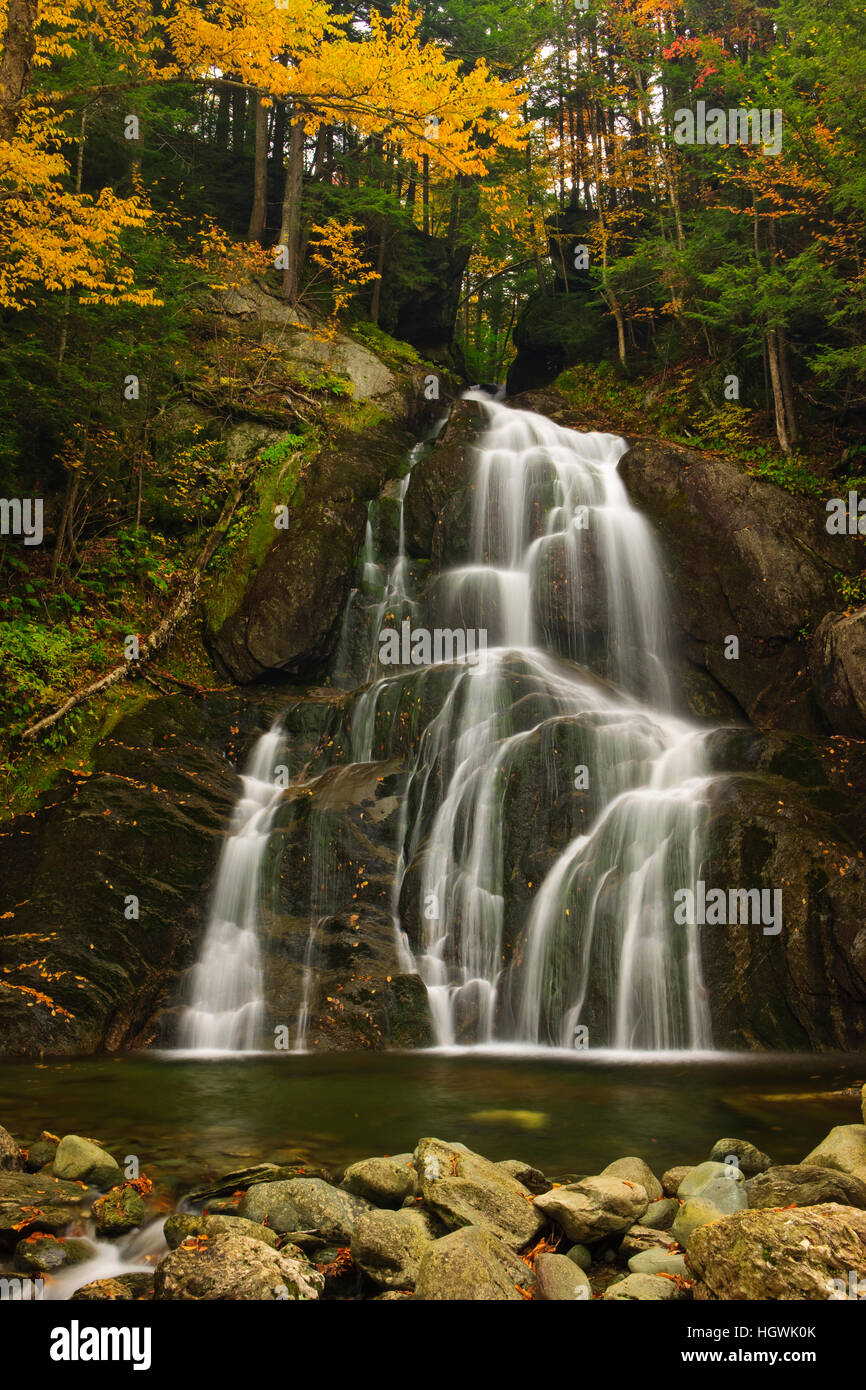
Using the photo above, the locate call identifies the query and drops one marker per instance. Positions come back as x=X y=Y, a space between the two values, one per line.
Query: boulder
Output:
x=844 y=1149
x=694 y=1212
x=531 y=1178
x=124 y=1287
x=749 y=1159
x=47 y=1253
x=388 y=1246
x=464 y=1189
x=560 y=1280
x=718 y=1183
x=837 y=666
x=471 y=1264
x=80 y=1160
x=594 y=1207
x=635 y=1170
x=41 y=1152
x=805 y=1185
x=672 y=1178
x=232 y=1267
x=181 y=1227
x=643 y=1288
x=386 y=1182
x=37 y=1202
x=639 y=1238
x=304 y=1204
x=120 y=1210
x=660 y=1214
x=779 y=1255
x=10 y=1156
x=659 y=1262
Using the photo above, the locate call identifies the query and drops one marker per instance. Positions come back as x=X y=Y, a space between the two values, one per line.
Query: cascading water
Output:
x=573 y=691
x=597 y=941
x=227 y=991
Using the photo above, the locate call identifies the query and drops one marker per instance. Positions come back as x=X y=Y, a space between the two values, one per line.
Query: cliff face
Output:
x=743 y=559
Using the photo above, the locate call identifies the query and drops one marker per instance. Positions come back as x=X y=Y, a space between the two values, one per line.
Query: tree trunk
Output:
x=425 y=195
x=376 y=299
x=221 y=132
x=239 y=118
x=259 y=214
x=778 y=391
x=290 y=231
x=16 y=61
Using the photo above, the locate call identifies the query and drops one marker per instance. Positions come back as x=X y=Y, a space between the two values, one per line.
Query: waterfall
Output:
x=227 y=987
x=574 y=693
x=555 y=544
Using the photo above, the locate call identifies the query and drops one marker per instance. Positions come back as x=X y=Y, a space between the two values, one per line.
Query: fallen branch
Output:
x=161 y=634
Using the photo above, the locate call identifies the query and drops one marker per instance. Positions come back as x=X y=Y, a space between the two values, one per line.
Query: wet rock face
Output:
x=747 y=559
x=288 y=619
x=837 y=666
x=438 y=508
x=147 y=822
x=803 y=987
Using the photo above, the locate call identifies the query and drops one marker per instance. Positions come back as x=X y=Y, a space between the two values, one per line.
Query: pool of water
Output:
x=191 y=1119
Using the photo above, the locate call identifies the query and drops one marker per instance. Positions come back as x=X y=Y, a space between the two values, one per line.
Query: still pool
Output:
x=565 y=1113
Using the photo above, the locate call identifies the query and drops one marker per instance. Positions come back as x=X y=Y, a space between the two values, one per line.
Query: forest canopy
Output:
x=502 y=188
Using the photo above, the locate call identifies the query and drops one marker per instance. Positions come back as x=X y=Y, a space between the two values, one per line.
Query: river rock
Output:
x=10 y=1157
x=464 y=1189
x=660 y=1214
x=643 y=1288
x=41 y=1152
x=232 y=1267
x=694 y=1212
x=386 y=1182
x=124 y=1287
x=595 y=1207
x=580 y=1255
x=305 y=1204
x=183 y=1226
x=473 y=1265
x=81 y=1160
x=717 y=1183
x=120 y=1210
x=388 y=1246
x=639 y=1238
x=531 y=1178
x=843 y=1149
x=749 y=1159
x=659 y=1262
x=47 y=1253
x=560 y=1280
x=805 y=1185
x=778 y=1255
x=672 y=1178
x=37 y=1202
x=635 y=1170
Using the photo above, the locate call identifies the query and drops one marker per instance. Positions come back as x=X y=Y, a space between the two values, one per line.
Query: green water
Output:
x=187 y=1120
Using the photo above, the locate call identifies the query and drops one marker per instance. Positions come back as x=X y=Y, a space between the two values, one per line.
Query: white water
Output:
x=597 y=946
x=225 y=1013
x=564 y=575
x=136 y=1253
